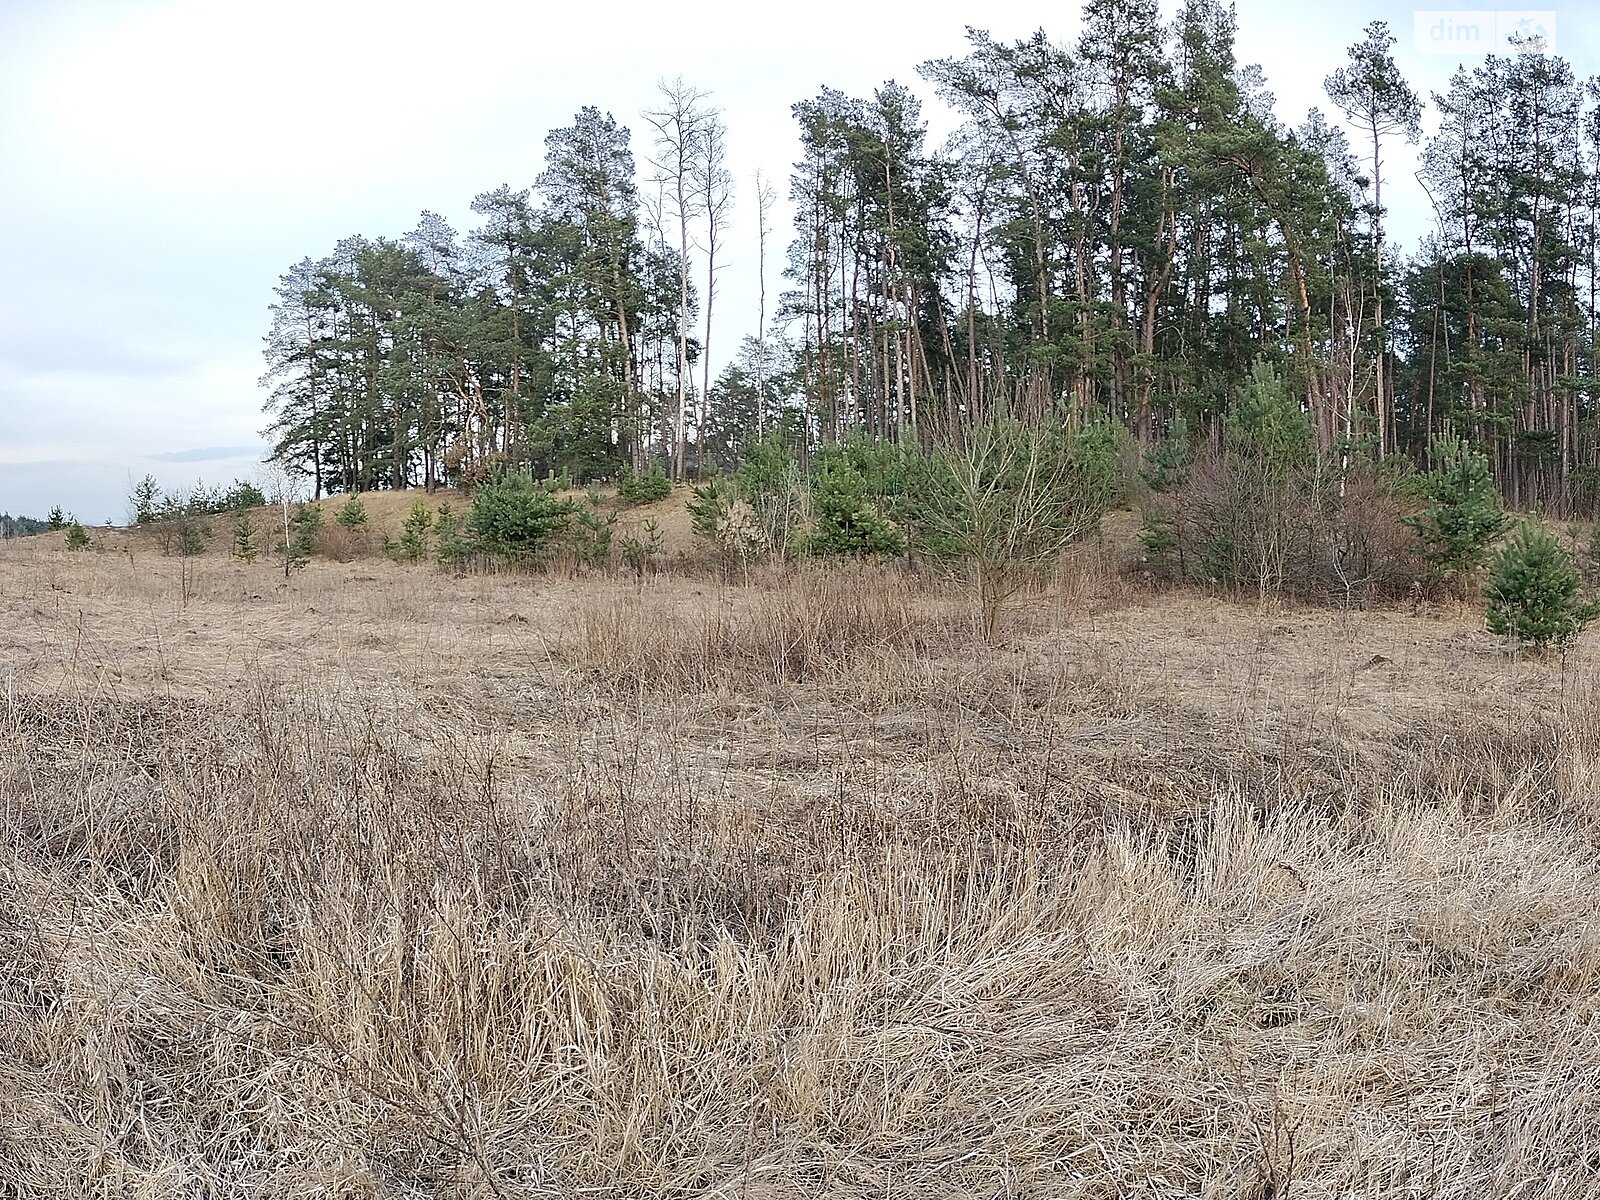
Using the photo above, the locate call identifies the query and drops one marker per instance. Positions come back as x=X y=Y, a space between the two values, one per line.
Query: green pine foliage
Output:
x=148 y=504
x=1096 y=460
x=1141 y=256
x=639 y=551
x=192 y=533
x=1534 y=591
x=1165 y=474
x=1004 y=507
x=145 y=500
x=847 y=490
x=243 y=494
x=352 y=514
x=1255 y=522
x=305 y=522
x=56 y=519
x=588 y=533
x=1462 y=514
x=412 y=545
x=769 y=479
x=514 y=519
x=245 y=548
x=847 y=523
x=643 y=487
x=1266 y=426
x=709 y=506
x=11 y=527
x=724 y=518
x=1167 y=464
x=451 y=547
x=77 y=536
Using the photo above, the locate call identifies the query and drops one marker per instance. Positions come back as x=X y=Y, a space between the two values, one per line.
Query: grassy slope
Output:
x=386 y=516
x=387 y=512
x=374 y=883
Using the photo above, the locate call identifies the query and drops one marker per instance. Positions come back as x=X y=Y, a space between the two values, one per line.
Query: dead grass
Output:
x=371 y=883
x=809 y=623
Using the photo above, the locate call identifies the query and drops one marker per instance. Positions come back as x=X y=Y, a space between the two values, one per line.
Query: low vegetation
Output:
x=377 y=882
x=1021 y=815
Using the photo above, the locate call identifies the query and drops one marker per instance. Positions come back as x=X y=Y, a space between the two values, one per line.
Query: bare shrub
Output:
x=1361 y=551
x=1312 y=533
x=343 y=543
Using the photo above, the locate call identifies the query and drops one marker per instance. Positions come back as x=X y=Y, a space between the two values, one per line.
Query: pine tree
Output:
x=1533 y=591
x=1463 y=514
x=244 y=538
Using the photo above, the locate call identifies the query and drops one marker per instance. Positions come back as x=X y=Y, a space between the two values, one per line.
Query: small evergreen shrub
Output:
x=1166 y=474
x=1534 y=591
x=643 y=487
x=56 y=519
x=1098 y=457
x=145 y=500
x=77 y=536
x=1167 y=464
x=1255 y=502
x=451 y=547
x=587 y=536
x=304 y=524
x=639 y=552
x=1462 y=514
x=243 y=494
x=770 y=481
x=514 y=518
x=723 y=517
x=709 y=505
x=352 y=514
x=846 y=520
x=191 y=536
x=412 y=545
x=244 y=538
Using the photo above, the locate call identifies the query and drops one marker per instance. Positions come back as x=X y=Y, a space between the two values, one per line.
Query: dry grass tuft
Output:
x=787 y=890
x=813 y=623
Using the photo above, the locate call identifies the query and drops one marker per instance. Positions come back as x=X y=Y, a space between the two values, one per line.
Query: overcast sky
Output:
x=162 y=162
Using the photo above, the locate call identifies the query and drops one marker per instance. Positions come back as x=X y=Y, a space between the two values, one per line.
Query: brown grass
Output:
x=374 y=883
x=810 y=623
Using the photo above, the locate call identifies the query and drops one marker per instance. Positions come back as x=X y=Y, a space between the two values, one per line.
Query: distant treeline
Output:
x=148 y=503
x=11 y=527
x=1122 y=227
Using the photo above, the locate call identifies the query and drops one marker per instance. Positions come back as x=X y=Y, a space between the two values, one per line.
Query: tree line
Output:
x=1120 y=229
x=11 y=527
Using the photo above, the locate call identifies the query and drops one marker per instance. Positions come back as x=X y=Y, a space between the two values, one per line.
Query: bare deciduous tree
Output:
x=1004 y=506
x=714 y=186
x=680 y=132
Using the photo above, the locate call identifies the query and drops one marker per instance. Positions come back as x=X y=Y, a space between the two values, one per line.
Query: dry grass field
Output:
x=374 y=882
